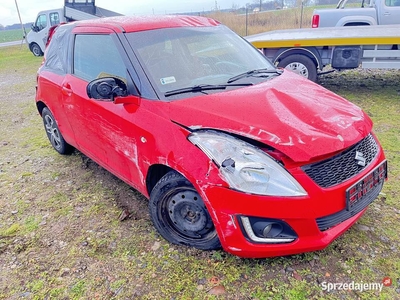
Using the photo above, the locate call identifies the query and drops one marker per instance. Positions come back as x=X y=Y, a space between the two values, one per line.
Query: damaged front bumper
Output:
x=264 y=226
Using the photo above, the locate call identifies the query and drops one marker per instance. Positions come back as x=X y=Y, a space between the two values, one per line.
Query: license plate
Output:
x=363 y=187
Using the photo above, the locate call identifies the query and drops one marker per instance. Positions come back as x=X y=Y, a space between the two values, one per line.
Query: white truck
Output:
x=307 y=51
x=368 y=12
x=73 y=10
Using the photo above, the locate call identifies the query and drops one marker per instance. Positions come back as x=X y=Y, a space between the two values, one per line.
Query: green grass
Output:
x=18 y=59
x=12 y=35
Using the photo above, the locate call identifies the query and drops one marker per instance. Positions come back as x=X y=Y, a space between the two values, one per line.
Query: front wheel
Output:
x=36 y=49
x=179 y=213
x=300 y=64
x=54 y=134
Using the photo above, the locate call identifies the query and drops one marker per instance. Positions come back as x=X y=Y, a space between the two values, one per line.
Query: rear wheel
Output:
x=300 y=64
x=36 y=49
x=54 y=134
x=179 y=213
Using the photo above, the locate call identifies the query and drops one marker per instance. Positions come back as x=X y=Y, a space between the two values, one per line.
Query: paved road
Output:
x=11 y=43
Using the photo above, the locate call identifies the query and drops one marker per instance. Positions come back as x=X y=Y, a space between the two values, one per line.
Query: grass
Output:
x=59 y=215
x=265 y=21
x=12 y=35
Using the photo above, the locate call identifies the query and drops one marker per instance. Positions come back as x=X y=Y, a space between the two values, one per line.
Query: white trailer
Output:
x=73 y=10
x=307 y=51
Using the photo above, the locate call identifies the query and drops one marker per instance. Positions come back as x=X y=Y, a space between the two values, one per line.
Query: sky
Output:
x=30 y=8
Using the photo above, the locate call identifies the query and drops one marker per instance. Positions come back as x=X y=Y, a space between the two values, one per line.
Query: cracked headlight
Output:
x=245 y=167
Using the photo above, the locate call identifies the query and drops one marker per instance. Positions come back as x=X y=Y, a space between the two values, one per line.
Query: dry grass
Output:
x=265 y=21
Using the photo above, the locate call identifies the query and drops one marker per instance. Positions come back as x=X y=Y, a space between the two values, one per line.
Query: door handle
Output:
x=66 y=89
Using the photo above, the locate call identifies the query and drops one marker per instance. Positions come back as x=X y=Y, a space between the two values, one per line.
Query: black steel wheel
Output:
x=54 y=134
x=300 y=64
x=179 y=213
x=36 y=49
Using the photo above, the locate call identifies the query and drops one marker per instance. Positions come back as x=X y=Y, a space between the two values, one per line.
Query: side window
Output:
x=54 y=19
x=41 y=22
x=97 y=56
x=392 y=2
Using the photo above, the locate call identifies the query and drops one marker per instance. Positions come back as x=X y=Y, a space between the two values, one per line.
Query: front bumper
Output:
x=302 y=214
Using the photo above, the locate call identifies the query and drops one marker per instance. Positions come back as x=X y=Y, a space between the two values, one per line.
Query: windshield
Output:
x=178 y=58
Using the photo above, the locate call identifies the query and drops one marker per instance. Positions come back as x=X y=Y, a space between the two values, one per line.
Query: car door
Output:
x=390 y=12
x=103 y=130
x=41 y=30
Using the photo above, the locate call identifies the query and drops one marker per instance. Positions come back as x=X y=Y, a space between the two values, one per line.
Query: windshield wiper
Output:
x=202 y=87
x=254 y=72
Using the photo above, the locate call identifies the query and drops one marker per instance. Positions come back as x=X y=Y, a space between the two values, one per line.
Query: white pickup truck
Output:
x=369 y=12
x=73 y=10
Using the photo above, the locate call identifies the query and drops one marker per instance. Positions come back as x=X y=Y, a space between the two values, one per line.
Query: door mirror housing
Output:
x=34 y=28
x=106 y=88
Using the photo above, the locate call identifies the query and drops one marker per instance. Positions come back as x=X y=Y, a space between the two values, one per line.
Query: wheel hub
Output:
x=52 y=131
x=188 y=214
x=298 y=68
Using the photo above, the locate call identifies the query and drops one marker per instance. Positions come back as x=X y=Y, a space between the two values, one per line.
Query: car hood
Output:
x=289 y=113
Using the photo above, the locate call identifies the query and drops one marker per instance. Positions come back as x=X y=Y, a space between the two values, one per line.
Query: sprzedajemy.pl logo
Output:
x=356 y=286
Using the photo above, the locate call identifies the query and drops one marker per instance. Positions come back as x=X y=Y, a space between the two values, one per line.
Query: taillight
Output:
x=315 y=21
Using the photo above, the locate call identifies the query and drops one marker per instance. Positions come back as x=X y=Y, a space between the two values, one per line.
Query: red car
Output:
x=229 y=150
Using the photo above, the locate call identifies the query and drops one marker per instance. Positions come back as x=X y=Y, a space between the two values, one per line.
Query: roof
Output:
x=141 y=23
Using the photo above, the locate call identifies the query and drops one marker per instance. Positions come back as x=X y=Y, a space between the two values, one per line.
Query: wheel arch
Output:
x=311 y=52
x=356 y=21
x=357 y=24
x=32 y=44
x=154 y=174
x=40 y=106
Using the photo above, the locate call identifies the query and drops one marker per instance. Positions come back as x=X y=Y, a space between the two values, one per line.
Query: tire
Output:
x=179 y=214
x=36 y=49
x=53 y=133
x=300 y=64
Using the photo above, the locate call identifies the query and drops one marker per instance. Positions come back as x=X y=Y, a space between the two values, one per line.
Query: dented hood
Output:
x=289 y=113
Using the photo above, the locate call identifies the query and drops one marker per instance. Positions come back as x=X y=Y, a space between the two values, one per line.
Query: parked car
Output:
x=229 y=150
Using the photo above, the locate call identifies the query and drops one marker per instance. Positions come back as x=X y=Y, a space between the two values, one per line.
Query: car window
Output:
x=54 y=19
x=180 y=57
x=41 y=22
x=392 y=2
x=56 y=55
x=97 y=56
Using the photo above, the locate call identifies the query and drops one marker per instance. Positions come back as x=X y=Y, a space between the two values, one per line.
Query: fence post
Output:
x=246 y=17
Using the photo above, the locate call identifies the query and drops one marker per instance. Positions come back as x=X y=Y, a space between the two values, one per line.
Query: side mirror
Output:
x=106 y=88
x=34 y=28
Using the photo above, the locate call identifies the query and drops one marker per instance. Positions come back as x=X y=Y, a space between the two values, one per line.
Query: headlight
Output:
x=245 y=167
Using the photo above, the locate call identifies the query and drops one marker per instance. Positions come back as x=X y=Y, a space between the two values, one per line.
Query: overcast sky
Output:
x=30 y=8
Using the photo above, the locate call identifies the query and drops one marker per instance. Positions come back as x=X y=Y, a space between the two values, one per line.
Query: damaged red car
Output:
x=229 y=150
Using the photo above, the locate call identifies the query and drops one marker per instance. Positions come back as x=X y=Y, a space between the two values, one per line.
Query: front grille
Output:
x=327 y=222
x=343 y=166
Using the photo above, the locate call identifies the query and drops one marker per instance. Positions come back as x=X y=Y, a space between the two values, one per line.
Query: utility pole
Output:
x=20 y=21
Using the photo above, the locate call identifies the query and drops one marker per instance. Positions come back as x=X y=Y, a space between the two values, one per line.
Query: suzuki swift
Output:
x=229 y=150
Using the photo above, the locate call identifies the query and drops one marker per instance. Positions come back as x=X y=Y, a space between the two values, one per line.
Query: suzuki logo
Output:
x=361 y=161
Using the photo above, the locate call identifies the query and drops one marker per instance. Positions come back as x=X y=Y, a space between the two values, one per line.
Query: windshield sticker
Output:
x=168 y=80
